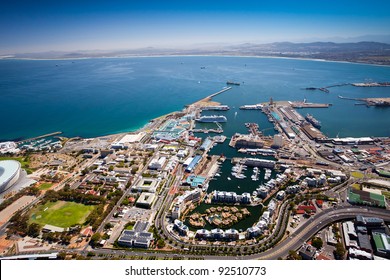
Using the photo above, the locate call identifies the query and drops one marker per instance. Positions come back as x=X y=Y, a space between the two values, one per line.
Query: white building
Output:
x=181 y=228
x=146 y=185
x=231 y=234
x=9 y=147
x=182 y=153
x=322 y=180
x=280 y=195
x=176 y=211
x=217 y=233
x=146 y=200
x=311 y=182
x=157 y=164
x=253 y=232
x=202 y=234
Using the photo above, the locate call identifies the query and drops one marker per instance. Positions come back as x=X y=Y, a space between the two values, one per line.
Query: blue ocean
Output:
x=94 y=97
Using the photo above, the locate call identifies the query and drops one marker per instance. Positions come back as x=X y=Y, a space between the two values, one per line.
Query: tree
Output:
x=340 y=251
x=293 y=255
x=34 y=230
x=95 y=239
x=160 y=243
x=108 y=226
x=317 y=242
x=65 y=238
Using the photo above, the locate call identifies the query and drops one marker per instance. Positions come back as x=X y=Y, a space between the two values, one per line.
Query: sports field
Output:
x=61 y=213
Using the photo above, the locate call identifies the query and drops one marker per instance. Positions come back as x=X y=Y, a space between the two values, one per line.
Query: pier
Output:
x=39 y=137
x=208 y=98
x=253 y=129
x=219 y=92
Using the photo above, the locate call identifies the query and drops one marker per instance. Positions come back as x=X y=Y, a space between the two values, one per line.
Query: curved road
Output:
x=292 y=242
x=315 y=224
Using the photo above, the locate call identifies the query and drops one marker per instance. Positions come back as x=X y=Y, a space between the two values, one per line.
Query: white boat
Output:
x=213 y=118
x=229 y=178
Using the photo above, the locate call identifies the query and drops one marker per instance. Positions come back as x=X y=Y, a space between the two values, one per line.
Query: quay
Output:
x=212 y=130
x=39 y=137
x=303 y=104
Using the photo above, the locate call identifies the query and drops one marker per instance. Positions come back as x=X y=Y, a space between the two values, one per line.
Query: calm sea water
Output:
x=94 y=97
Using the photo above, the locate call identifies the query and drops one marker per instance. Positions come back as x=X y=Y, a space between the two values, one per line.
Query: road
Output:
x=315 y=224
x=281 y=250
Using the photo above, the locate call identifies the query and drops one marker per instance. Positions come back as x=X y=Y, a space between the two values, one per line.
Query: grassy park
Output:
x=61 y=213
x=45 y=186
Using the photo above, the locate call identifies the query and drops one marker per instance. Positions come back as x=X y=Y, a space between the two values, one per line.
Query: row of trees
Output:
x=68 y=194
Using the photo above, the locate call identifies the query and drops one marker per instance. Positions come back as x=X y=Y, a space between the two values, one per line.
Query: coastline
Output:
x=144 y=122
x=192 y=55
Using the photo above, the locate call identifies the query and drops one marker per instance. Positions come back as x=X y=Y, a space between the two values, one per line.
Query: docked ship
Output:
x=216 y=108
x=313 y=121
x=232 y=83
x=251 y=107
x=213 y=118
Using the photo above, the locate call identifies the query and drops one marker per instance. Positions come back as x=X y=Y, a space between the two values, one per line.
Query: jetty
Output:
x=315 y=88
x=208 y=98
x=39 y=137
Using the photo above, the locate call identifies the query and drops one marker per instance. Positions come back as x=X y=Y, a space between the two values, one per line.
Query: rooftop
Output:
x=8 y=168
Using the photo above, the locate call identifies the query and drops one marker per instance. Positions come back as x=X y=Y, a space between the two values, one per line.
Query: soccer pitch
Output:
x=61 y=213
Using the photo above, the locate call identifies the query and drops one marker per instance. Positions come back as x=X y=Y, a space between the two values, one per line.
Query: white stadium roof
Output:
x=8 y=168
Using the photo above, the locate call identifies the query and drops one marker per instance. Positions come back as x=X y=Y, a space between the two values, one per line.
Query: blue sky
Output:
x=34 y=26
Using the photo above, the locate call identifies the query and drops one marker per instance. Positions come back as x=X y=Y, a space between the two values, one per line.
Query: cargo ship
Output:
x=213 y=118
x=232 y=83
x=313 y=121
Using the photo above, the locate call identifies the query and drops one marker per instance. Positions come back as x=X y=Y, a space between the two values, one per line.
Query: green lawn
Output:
x=129 y=227
x=61 y=213
x=357 y=175
x=356 y=186
x=386 y=194
x=45 y=186
x=25 y=164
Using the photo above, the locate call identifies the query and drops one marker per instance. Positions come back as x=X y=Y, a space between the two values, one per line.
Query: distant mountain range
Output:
x=362 y=52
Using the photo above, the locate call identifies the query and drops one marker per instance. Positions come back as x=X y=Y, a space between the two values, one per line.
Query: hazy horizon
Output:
x=68 y=26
